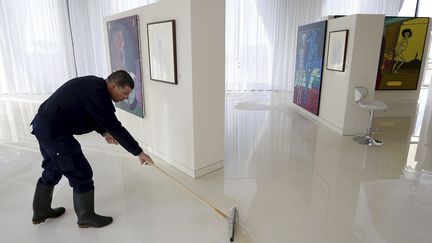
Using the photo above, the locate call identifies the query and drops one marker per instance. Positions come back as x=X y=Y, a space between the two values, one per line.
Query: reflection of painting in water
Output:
x=309 y=61
x=125 y=54
x=401 y=53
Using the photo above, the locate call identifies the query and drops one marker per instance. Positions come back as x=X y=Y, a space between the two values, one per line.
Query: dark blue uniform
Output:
x=80 y=106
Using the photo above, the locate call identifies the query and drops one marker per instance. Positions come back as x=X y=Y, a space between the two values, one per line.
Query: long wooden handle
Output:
x=193 y=193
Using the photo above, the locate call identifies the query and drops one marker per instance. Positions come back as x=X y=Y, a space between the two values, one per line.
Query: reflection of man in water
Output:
x=400 y=48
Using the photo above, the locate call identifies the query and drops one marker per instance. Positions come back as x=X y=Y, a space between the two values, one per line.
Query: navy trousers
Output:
x=63 y=156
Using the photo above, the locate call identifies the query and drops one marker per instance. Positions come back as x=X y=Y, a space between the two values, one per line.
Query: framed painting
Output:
x=336 y=51
x=309 y=65
x=124 y=51
x=162 y=51
x=402 y=52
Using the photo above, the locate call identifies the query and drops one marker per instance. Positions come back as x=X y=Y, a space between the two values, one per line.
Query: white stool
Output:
x=359 y=95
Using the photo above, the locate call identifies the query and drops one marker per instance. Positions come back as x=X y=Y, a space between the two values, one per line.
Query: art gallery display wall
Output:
x=184 y=119
x=357 y=67
x=356 y=54
x=362 y=55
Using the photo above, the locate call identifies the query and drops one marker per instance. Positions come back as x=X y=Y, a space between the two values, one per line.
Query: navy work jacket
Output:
x=80 y=106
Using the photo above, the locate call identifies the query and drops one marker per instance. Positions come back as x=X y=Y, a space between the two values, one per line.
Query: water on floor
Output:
x=291 y=179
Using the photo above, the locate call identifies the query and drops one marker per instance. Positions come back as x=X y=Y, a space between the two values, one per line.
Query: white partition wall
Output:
x=338 y=110
x=337 y=107
x=208 y=75
x=184 y=123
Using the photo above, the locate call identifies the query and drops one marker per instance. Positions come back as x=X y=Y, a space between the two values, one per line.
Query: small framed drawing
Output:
x=336 y=51
x=161 y=38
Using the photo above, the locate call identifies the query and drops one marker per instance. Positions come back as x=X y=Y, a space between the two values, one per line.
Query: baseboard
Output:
x=209 y=168
x=188 y=171
x=318 y=120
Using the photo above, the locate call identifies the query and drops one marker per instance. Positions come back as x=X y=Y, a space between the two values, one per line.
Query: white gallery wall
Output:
x=208 y=75
x=338 y=109
x=184 y=123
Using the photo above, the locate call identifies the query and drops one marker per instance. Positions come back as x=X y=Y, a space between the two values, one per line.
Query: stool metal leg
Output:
x=369 y=131
x=367 y=139
x=374 y=142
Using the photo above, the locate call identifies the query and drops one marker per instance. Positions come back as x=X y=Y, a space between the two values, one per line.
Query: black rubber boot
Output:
x=42 y=204
x=84 y=208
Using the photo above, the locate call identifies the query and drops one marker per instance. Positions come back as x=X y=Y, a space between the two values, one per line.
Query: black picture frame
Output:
x=336 y=50
x=161 y=37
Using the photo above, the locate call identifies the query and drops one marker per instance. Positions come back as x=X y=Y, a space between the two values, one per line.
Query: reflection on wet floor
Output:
x=292 y=180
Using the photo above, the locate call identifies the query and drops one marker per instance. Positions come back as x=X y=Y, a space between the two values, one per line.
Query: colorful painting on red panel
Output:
x=309 y=64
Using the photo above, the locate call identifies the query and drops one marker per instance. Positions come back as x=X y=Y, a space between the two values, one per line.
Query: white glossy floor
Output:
x=291 y=179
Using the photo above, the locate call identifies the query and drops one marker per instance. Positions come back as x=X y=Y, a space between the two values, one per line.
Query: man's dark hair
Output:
x=121 y=78
x=407 y=31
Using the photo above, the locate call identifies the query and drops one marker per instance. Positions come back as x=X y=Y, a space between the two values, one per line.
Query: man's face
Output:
x=120 y=93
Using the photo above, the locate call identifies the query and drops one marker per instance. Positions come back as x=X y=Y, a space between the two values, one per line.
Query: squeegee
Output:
x=232 y=216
